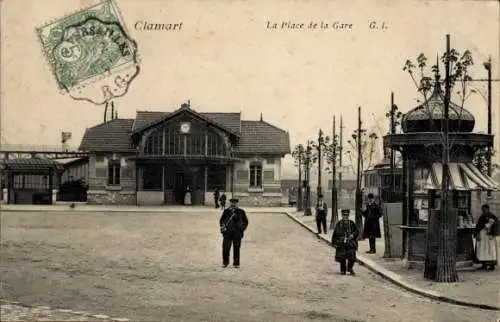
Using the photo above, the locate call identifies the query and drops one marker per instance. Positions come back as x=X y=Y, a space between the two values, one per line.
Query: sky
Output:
x=225 y=59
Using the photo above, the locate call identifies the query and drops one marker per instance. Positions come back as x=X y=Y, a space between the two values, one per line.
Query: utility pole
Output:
x=105 y=112
x=393 y=131
x=447 y=222
x=488 y=68
x=307 y=206
x=334 y=175
x=358 y=197
x=391 y=193
x=320 y=144
x=341 y=148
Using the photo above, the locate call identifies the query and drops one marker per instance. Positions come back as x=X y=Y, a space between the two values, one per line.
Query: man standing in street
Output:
x=345 y=241
x=372 y=214
x=216 y=198
x=321 y=213
x=233 y=224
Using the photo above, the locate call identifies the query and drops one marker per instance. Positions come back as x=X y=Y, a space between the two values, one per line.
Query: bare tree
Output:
x=368 y=149
x=440 y=262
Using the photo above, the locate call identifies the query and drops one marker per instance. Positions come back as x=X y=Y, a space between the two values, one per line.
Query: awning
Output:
x=31 y=165
x=463 y=176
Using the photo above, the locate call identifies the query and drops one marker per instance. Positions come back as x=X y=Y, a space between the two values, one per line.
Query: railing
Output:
x=37 y=148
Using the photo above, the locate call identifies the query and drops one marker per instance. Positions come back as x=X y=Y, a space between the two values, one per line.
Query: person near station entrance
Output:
x=345 y=240
x=216 y=198
x=188 y=196
x=233 y=224
x=222 y=200
x=321 y=213
x=371 y=230
x=487 y=230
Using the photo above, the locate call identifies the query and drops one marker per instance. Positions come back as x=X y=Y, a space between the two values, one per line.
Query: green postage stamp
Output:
x=90 y=53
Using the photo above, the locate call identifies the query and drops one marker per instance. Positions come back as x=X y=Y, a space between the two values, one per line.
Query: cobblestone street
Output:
x=166 y=267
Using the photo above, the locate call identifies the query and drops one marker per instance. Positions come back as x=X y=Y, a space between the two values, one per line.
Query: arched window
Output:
x=154 y=144
x=198 y=141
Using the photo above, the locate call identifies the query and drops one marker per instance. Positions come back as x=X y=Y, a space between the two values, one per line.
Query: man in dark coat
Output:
x=371 y=230
x=216 y=198
x=321 y=213
x=222 y=201
x=345 y=240
x=233 y=224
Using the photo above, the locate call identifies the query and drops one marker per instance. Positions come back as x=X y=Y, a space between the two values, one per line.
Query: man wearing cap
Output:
x=321 y=213
x=371 y=230
x=345 y=241
x=233 y=224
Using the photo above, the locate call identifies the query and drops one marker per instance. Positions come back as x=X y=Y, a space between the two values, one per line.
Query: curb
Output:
x=80 y=313
x=397 y=279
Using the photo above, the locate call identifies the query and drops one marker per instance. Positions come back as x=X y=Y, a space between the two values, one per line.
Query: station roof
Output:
x=255 y=137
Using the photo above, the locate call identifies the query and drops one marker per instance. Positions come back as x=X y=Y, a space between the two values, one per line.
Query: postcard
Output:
x=215 y=160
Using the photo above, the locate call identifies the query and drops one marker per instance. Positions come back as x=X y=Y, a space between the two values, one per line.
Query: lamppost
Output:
x=320 y=145
x=487 y=66
x=307 y=205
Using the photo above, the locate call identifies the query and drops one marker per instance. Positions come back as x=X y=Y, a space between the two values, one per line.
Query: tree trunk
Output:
x=299 y=188
x=431 y=253
x=447 y=247
x=447 y=221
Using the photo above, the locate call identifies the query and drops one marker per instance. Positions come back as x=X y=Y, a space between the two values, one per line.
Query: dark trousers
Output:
x=346 y=265
x=216 y=202
x=321 y=222
x=226 y=248
x=372 y=244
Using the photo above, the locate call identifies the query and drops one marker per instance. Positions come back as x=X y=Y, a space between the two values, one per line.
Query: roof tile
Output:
x=261 y=137
x=257 y=137
x=112 y=136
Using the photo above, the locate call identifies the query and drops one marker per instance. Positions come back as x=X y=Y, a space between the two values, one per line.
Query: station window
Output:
x=256 y=176
x=114 y=173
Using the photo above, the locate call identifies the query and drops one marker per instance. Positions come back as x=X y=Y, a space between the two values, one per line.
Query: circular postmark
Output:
x=90 y=48
x=90 y=53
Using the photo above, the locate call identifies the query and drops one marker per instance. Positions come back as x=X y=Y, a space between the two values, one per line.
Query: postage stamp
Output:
x=90 y=53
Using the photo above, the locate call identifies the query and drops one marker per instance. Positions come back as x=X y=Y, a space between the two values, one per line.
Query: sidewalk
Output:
x=477 y=288
x=83 y=207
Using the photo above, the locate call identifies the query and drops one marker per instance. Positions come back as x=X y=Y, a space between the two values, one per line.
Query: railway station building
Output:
x=160 y=157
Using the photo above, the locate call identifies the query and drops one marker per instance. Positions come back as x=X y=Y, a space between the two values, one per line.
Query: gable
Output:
x=227 y=122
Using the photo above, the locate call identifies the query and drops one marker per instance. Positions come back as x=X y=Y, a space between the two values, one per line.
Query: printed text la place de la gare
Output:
x=321 y=25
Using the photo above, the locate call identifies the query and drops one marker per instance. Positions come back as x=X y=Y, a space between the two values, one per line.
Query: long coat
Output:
x=345 y=240
x=322 y=210
x=372 y=216
x=235 y=222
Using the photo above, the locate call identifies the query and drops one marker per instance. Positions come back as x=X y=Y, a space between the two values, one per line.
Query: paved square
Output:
x=154 y=266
